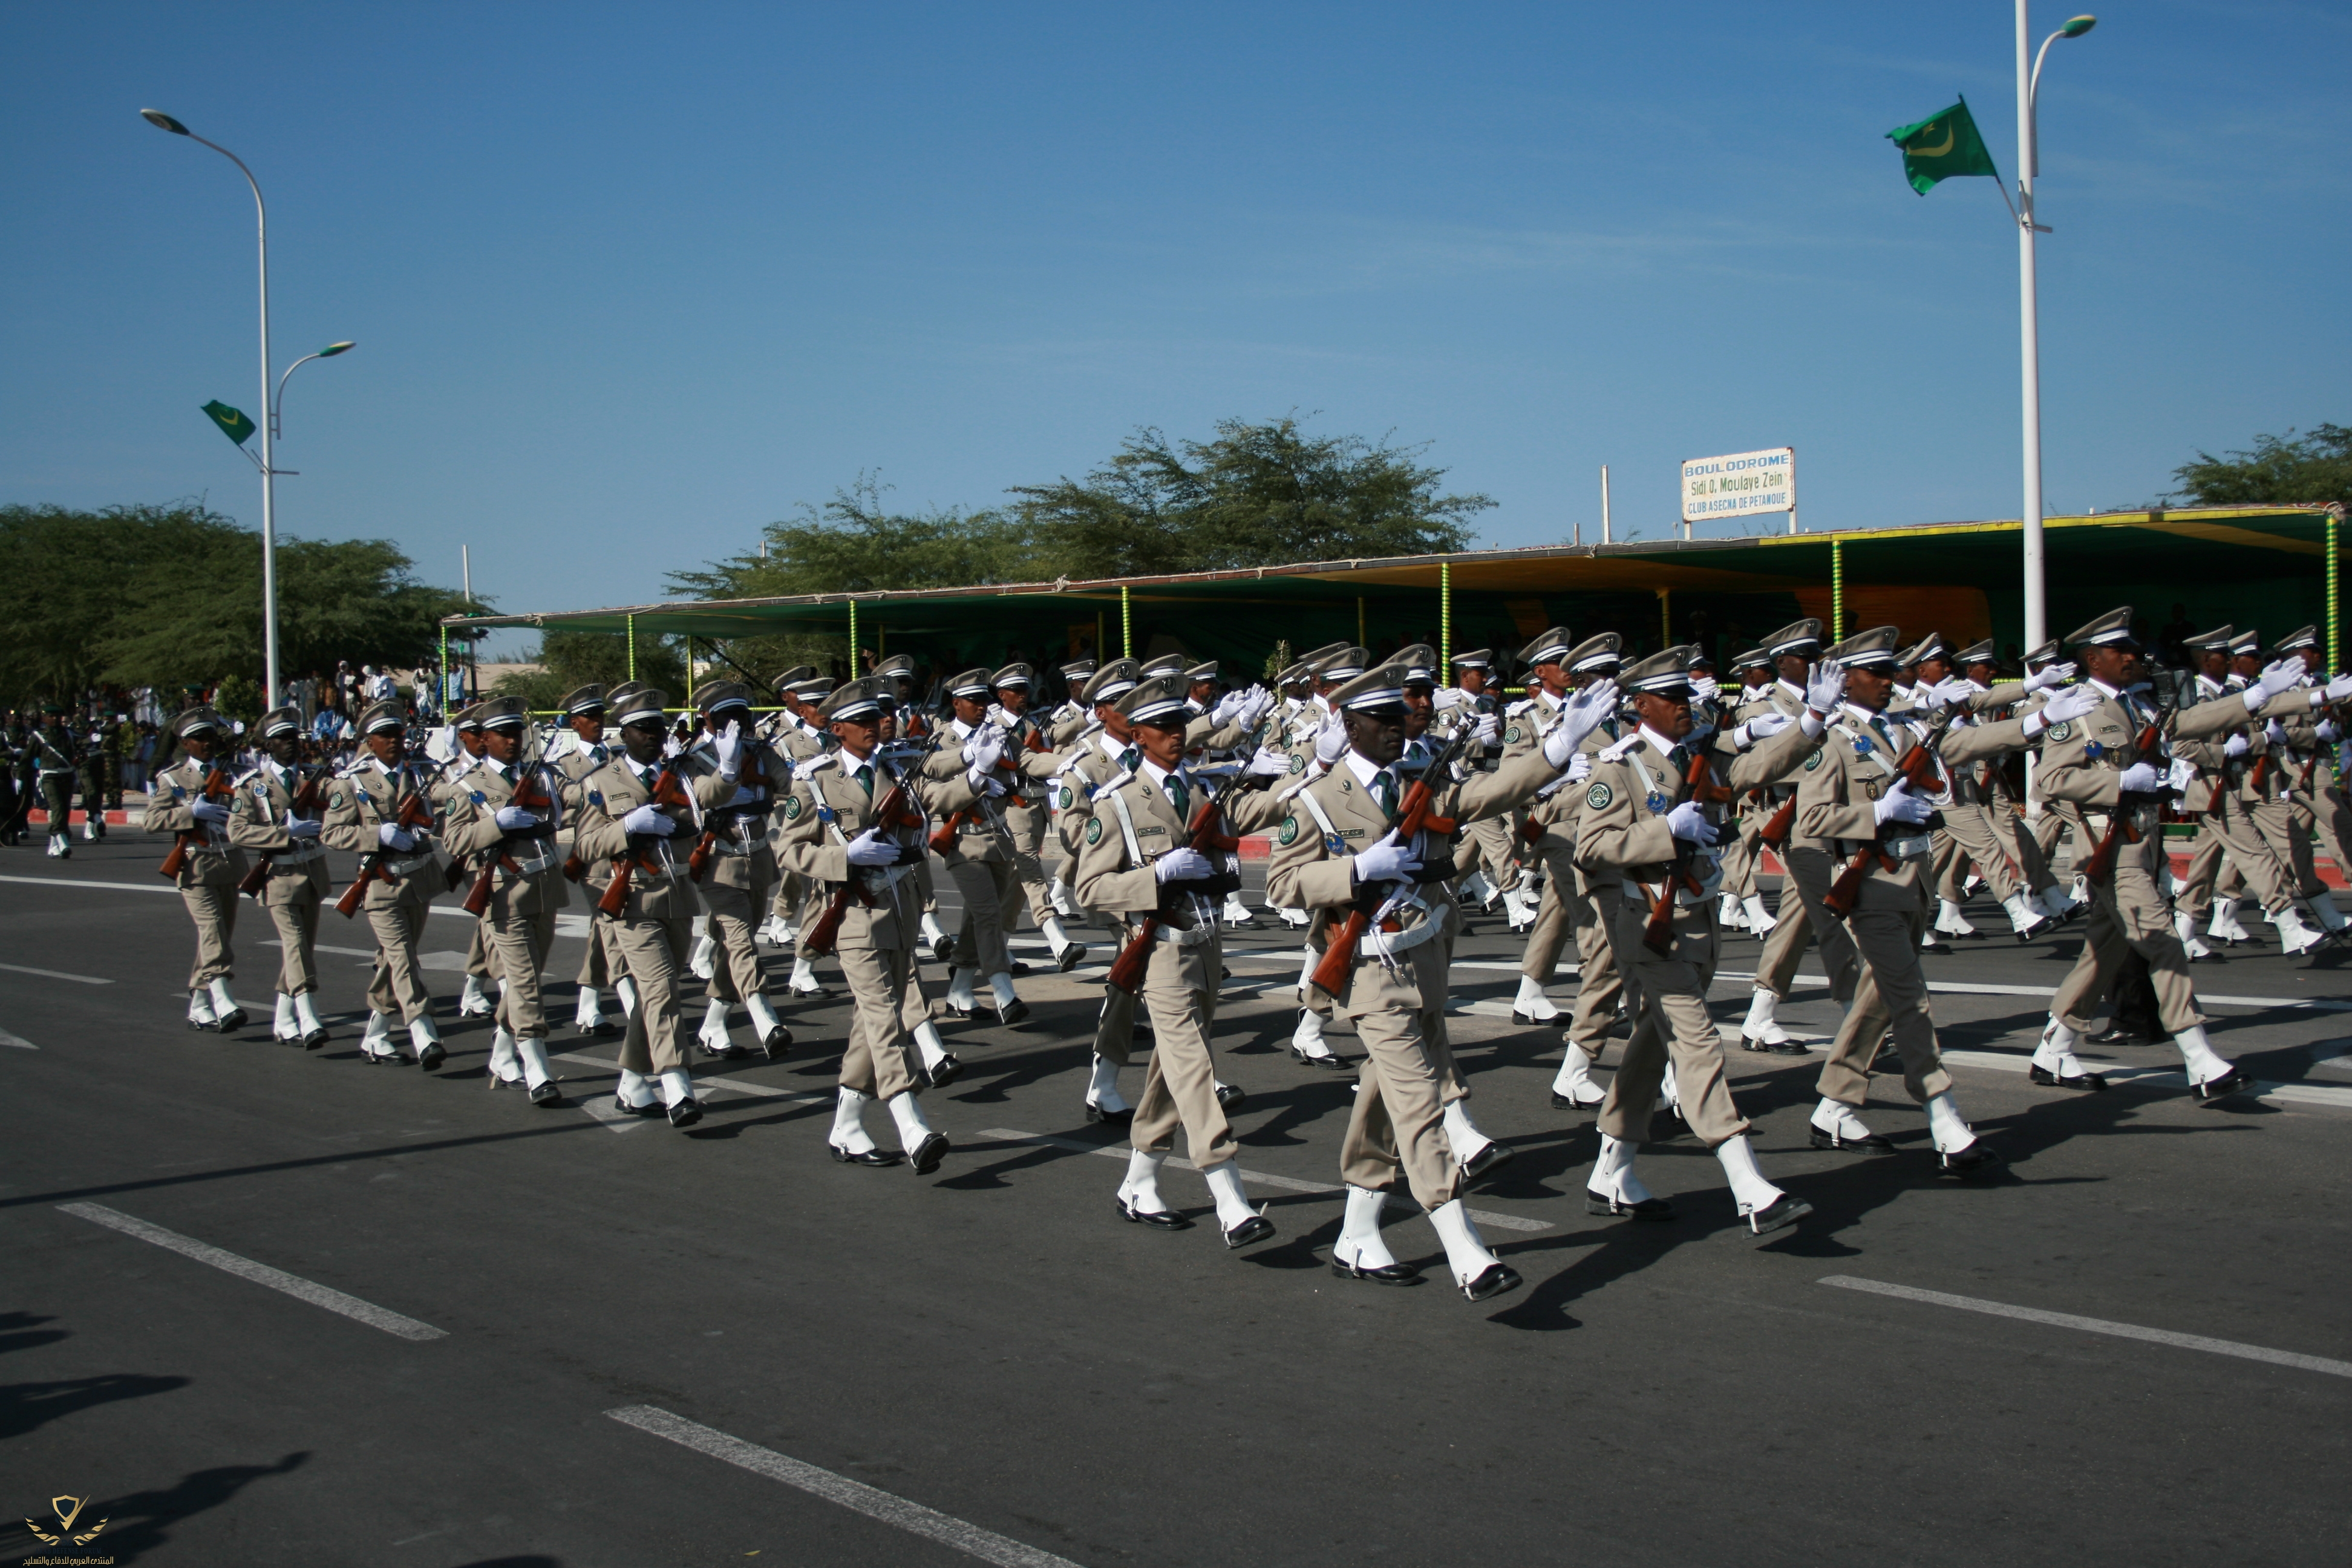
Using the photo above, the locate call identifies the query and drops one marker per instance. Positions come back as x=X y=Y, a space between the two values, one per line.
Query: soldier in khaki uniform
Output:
x=2322 y=818
x=1968 y=835
x=802 y=741
x=1742 y=903
x=2002 y=784
x=474 y=999
x=365 y=806
x=981 y=857
x=628 y=833
x=2248 y=812
x=736 y=779
x=1339 y=851
x=1090 y=759
x=578 y=751
x=1026 y=811
x=191 y=798
x=502 y=819
x=834 y=835
x=265 y=819
x=1491 y=865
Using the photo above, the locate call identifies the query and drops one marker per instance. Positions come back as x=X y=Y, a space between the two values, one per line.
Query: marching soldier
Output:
x=1742 y=905
x=58 y=761
x=501 y=824
x=101 y=771
x=1493 y=872
x=275 y=815
x=474 y=1000
x=1970 y=835
x=1093 y=759
x=835 y=834
x=190 y=799
x=1339 y=853
x=913 y=732
x=1026 y=811
x=979 y=856
x=631 y=812
x=575 y=755
x=802 y=738
x=736 y=779
x=378 y=808
x=2321 y=814
x=1989 y=696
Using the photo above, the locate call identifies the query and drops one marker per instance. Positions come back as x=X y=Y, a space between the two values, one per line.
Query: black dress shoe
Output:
x=730 y=1052
x=233 y=1019
x=870 y=1157
x=684 y=1113
x=547 y=1094
x=1388 y=1274
x=1017 y=968
x=1873 y=1144
x=383 y=1059
x=1609 y=1203
x=1780 y=1212
x=943 y=1073
x=1013 y=1011
x=779 y=1042
x=476 y=1012
x=1157 y=1220
x=1109 y=1118
x=962 y=1015
x=1229 y=1096
x=650 y=1108
x=1070 y=957
x=2228 y=1084
x=1976 y=1159
x=942 y=948
x=431 y=1055
x=1774 y=1049
x=1493 y=1280
x=600 y=1029
x=1528 y=1020
x=1258 y=1227
x=1493 y=1157
x=314 y=1039
x=1562 y=1102
x=497 y=1083
x=814 y=993
x=200 y=1027
x=927 y=1155
x=2090 y=1082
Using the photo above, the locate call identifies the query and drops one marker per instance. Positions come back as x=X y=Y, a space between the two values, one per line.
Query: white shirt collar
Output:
x=1658 y=743
x=2105 y=690
x=1111 y=748
x=1365 y=770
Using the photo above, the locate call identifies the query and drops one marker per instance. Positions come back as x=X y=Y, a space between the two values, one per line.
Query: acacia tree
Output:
x=2315 y=469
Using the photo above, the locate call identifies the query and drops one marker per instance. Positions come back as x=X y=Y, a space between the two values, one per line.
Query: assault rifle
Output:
x=1414 y=817
x=1202 y=834
x=216 y=787
x=1698 y=784
x=2102 y=863
x=413 y=813
x=529 y=795
x=1917 y=769
x=892 y=812
x=304 y=803
x=667 y=791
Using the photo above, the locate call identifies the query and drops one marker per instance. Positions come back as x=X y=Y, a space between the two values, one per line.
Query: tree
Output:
x=569 y=660
x=2280 y=470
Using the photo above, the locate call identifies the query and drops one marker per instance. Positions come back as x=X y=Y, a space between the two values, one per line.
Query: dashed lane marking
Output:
x=855 y=1496
x=56 y=975
x=293 y=1285
x=18 y=1041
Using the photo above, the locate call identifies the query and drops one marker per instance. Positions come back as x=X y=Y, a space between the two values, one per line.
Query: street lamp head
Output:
x=2077 y=25
x=163 y=121
x=331 y=350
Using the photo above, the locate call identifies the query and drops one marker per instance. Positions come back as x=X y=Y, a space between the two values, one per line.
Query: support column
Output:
x=633 y=648
x=1837 y=590
x=1125 y=625
x=1446 y=614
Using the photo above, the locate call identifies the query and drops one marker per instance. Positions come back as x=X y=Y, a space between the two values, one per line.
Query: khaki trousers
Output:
x=2129 y=915
x=215 y=911
x=1026 y=826
x=877 y=1061
x=2323 y=816
x=1181 y=1085
x=652 y=955
x=2238 y=834
x=2017 y=836
x=477 y=956
x=2289 y=840
x=1810 y=873
x=298 y=937
x=1398 y=1120
x=398 y=983
x=1489 y=847
x=1892 y=993
x=735 y=916
x=519 y=944
x=1556 y=917
x=1673 y=1022
x=597 y=966
x=1971 y=831
x=1115 y=1025
x=988 y=889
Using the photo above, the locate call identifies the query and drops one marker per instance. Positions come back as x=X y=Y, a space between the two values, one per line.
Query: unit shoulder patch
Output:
x=1289 y=833
x=791 y=808
x=1298 y=763
x=334 y=801
x=2062 y=731
x=1067 y=798
x=1814 y=760
x=1598 y=797
x=1511 y=735
x=1094 y=830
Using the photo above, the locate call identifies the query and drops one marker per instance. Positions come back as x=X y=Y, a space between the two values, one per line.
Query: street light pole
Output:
x=2028 y=81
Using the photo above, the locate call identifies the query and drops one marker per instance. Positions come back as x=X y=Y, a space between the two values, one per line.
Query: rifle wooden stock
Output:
x=2102 y=863
x=1778 y=826
x=1917 y=769
x=305 y=802
x=216 y=787
x=819 y=939
x=1658 y=933
x=1200 y=834
x=1414 y=817
x=413 y=813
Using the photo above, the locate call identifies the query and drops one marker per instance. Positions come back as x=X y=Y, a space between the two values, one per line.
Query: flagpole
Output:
x=2029 y=344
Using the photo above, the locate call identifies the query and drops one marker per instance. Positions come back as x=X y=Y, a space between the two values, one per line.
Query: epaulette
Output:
x=819 y=763
x=1619 y=750
x=245 y=777
x=1521 y=705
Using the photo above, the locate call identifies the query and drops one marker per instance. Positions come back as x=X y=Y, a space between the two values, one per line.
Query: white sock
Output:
x=633 y=1090
x=591 y=1011
x=2204 y=1064
x=282 y=1027
x=503 y=1063
x=1308 y=1036
x=200 y=1006
x=1103 y=1093
x=1060 y=893
x=1728 y=911
x=627 y=990
x=421 y=1034
x=676 y=1086
x=701 y=962
x=803 y=977
x=960 y=989
x=1359 y=1233
x=1225 y=1186
x=1308 y=959
x=376 y=1038
x=763 y=1015
x=1057 y=939
x=1667 y=1094
x=1748 y=1183
x=1760 y=1024
x=1532 y=1001
x=1462 y=1134
x=714 y=1023
x=1466 y=1249
x=2019 y=917
x=223 y=1003
x=2055 y=1054
x=849 y=1135
x=931 y=932
x=306 y=1014
x=1141 y=1190
x=473 y=996
x=1945 y=1124
x=1758 y=918
x=1575 y=1075
x=1835 y=1116
x=533 y=1053
x=1613 y=1172
x=927 y=1041
x=908 y=1112
x=1000 y=988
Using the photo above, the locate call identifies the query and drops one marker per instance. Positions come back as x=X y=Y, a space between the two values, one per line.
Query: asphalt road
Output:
x=993 y=1344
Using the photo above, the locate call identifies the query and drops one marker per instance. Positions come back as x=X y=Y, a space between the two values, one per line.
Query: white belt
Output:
x=1683 y=896
x=1201 y=933
x=1387 y=945
x=287 y=859
x=408 y=866
x=531 y=865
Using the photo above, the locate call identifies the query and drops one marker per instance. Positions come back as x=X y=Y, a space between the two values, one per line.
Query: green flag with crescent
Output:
x=234 y=424
x=1943 y=148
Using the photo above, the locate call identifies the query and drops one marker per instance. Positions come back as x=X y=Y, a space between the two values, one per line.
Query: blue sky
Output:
x=629 y=283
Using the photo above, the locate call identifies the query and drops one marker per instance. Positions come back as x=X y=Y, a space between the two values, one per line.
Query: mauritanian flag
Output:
x=234 y=424
x=1942 y=148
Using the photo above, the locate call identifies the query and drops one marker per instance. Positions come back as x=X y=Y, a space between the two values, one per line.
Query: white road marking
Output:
x=18 y=1041
x=56 y=975
x=855 y=1496
x=2095 y=1325
x=2169 y=1078
x=293 y=1285
x=366 y=953
x=1984 y=988
x=1263 y=1178
x=116 y=887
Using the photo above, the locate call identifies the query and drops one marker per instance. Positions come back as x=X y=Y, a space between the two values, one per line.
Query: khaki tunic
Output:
x=208 y=874
x=298 y=870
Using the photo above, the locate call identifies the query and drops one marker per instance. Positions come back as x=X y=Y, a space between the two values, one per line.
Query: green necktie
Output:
x=1679 y=759
x=1878 y=727
x=866 y=780
x=1130 y=759
x=1384 y=793
x=1179 y=797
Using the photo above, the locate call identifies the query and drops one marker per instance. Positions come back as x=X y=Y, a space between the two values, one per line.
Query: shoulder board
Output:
x=1617 y=752
x=818 y=765
x=1521 y=705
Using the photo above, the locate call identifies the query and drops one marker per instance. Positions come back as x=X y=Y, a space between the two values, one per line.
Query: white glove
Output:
x=2049 y=675
x=1269 y=763
x=2275 y=732
x=1182 y=864
x=1583 y=714
x=728 y=745
x=1448 y=698
x=2142 y=778
x=870 y=848
x=2181 y=774
x=2071 y=702
x=999 y=717
x=982 y=748
x=303 y=827
x=2328 y=731
x=2340 y=688
x=2235 y=746
x=1825 y=688
x=1899 y=805
x=392 y=836
x=210 y=811
x=1688 y=822
x=1763 y=727
x=649 y=820
x=1580 y=767
x=1386 y=861
x=2276 y=677
x=1488 y=730
x=1227 y=706
x=1331 y=740
x=515 y=819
